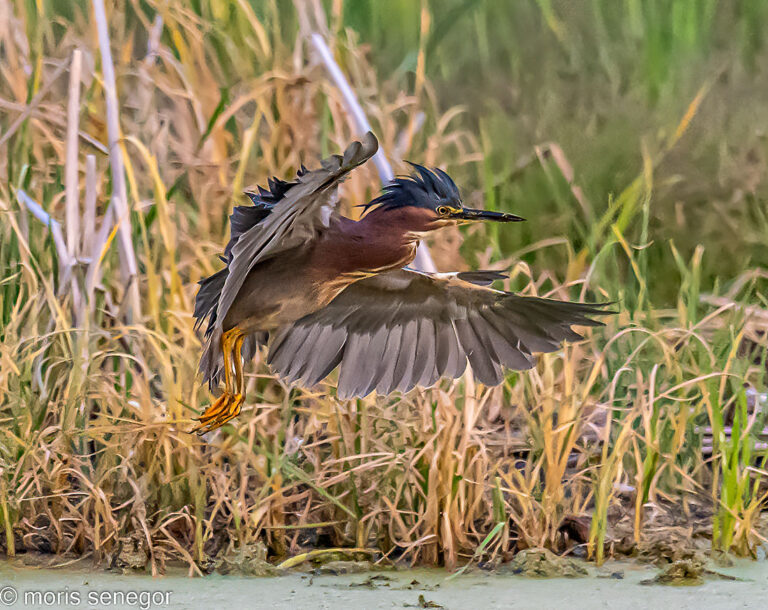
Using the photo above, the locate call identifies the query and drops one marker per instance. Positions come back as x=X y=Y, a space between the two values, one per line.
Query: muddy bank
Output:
x=615 y=585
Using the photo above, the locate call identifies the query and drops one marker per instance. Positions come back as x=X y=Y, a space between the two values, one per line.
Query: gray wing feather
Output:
x=450 y=357
x=303 y=359
x=406 y=360
x=403 y=328
x=377 y=346
x=353 y=363
x=326 y=357
x=425 y=373
x=289 y=344
x=407 y=357
x=507 y=345
x=477 y=352
x=387 y=371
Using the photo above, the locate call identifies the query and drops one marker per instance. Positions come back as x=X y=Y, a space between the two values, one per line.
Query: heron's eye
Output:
x=443 y=210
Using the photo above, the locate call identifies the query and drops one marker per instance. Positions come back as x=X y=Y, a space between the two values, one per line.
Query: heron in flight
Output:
x=324 y=291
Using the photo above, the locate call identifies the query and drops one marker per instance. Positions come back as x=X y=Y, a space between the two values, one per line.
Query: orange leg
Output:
x=238 y=357
x=239 y=379
x=228 y=405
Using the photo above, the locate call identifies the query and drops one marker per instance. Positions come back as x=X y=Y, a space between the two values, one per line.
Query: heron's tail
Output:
x=206 y=304
x=207 y=300
x=211 y=360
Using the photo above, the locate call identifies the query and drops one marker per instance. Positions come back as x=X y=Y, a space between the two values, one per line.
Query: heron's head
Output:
x=429 y=200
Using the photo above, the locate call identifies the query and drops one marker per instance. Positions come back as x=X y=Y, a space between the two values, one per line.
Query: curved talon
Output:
x=212 y=413
x=226 y=408
x=232 y=411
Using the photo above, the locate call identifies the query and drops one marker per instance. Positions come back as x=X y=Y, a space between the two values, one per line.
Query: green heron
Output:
x=325 y=291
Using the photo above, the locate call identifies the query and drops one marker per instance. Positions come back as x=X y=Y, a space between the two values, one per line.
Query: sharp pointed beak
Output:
x=470 y=215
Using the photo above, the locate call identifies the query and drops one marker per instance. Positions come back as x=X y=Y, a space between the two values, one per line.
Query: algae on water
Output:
x=543 y=563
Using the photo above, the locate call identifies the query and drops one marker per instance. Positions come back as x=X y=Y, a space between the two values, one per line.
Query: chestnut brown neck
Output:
x=383 y=239
x=397 y=225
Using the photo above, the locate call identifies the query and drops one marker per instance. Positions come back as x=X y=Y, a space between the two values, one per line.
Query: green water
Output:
x=67 y=588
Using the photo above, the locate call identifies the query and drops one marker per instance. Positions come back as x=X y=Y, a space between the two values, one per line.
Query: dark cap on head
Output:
x=433 y=189
x=426 y=189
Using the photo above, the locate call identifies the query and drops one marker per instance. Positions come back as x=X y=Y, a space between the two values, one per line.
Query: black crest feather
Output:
x=426 y=188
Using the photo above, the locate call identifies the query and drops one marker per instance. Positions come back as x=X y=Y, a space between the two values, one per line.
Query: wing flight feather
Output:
x=403 y=328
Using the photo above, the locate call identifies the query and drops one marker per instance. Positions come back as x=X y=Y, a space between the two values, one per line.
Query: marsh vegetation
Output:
x=631 y=135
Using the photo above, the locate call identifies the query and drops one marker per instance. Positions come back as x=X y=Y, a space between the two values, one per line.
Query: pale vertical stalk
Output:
x=66 y=261
x=423 y=260
x=38 y=212
x=10 y=545
x=72 y=194
x=23 y=226
x=119 y=193
x=93 y=275
x=89 y=214
x=86 y=249
x=70 y=172
x=359 y=120
x=153 y=40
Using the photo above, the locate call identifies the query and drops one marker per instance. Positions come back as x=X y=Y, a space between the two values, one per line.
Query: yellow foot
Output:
x=226 y=407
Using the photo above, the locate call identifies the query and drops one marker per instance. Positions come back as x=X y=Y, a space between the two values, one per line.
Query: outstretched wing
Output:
x=304 y=208
x=400 y=329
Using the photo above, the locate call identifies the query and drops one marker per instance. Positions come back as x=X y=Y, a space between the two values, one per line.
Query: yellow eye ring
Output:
x=443 y=210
